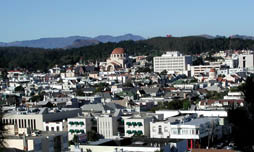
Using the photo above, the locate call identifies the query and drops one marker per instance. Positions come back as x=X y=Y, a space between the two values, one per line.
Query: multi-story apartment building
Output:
x=137 y=126
x=107 y=126
x=78 y=126
x=172 y=62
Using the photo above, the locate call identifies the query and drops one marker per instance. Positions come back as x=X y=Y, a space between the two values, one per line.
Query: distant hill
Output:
x=108 y=38
x=82 y=43
x=63 y=42
x=244 y=37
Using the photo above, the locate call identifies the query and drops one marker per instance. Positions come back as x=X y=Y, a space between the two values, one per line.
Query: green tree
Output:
x=80 y=92
x=19 y=89
x=242 y=118
x=186 y=104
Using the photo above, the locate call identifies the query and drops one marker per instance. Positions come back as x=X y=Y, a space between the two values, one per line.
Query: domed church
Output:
x=117 y=60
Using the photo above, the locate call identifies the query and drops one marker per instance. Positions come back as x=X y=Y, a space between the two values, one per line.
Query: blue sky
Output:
x=33 y=19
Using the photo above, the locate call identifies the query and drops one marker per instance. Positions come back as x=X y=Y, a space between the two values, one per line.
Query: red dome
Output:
x=118 y=51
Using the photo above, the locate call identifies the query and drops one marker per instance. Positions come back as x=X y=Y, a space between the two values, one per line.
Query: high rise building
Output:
x=171 y=62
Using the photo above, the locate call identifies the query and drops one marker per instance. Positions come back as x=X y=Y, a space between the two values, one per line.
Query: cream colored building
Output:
x=24 y=139
x=202 y=69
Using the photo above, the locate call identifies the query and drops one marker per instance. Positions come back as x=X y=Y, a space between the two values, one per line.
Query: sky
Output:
x=33 y=19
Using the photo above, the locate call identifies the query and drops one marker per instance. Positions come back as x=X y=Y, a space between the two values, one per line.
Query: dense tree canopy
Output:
x=42 y=59
x=242 y=118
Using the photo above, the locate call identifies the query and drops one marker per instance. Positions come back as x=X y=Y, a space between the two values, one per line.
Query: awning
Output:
x=140 y=124
x=134 y=123
x=81 y=123
x=71 y=131
x=128 y=123
x=128 y=131
x=77 y=131
x=134 y=131
x=82 y=131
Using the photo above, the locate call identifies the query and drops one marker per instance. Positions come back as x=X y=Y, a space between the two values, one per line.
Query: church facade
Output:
x=117 y=60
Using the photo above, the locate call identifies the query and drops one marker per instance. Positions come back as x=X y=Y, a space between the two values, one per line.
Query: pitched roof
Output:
x=151 y=90
x=93 y=107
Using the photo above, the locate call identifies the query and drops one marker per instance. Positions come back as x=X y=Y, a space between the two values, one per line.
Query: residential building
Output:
x=137 y=126
x=234 y=96
x=222 y=104
x=79 y=126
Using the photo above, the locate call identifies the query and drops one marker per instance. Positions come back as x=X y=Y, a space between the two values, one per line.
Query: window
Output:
x=29 y=123
x=25 y=123
x=34 y=124
x=57 y=128
x=52 y=129
x=193 y=131
x=160 y=130
x=166 y=129
x=197 y=131
x=47 y=128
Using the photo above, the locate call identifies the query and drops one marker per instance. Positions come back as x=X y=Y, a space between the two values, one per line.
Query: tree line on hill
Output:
x=42 y=59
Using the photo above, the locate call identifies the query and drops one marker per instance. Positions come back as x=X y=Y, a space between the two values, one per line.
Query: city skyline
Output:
x=29 y=20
